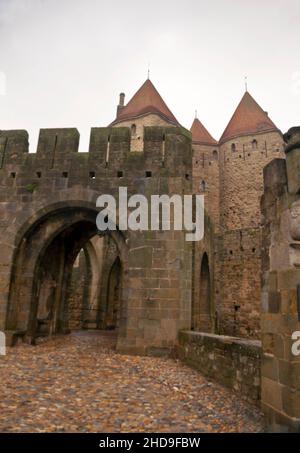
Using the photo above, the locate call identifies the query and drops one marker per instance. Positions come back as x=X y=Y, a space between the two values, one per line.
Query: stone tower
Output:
x=230 y=174
x=250 y=141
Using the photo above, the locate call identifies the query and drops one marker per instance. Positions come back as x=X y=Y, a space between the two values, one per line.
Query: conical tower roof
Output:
x=200 y=134
x=145 y=101
x=249 y=118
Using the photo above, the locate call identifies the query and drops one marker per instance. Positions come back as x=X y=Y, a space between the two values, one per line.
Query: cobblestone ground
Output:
x=77 y=383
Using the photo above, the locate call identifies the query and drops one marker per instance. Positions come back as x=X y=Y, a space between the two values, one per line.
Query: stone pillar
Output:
x=280 y=289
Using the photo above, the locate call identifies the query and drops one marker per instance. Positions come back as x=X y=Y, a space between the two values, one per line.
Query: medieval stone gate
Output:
x=49 y=214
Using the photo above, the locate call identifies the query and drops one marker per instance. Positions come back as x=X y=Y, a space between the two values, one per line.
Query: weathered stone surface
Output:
x=231 y=361
x=280 y=316
x=49 y=205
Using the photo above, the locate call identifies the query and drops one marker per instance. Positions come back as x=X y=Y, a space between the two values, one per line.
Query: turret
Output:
x=145 y=108
x=249 y=142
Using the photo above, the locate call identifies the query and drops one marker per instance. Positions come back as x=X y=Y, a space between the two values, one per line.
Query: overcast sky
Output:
x=63 y=63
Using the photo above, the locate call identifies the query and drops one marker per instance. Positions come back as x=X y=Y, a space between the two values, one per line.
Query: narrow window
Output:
x=233 y=147
x=254 y=144
x=133 y=129
x=215 y=155
x=202 y=186
x=92 y=175
x=54 y=152
x=107 y=151
x=148 y=174
x=163 y=150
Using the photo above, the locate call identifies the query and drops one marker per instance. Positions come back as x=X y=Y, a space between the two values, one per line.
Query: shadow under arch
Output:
x=113 y=294
x=205 y=294
x=201 y=307
x=46 y=247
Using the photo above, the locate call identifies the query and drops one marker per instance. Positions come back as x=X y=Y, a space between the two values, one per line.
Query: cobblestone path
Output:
x=77 y=383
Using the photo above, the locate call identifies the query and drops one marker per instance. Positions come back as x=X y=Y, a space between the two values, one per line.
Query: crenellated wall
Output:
x=109 y=150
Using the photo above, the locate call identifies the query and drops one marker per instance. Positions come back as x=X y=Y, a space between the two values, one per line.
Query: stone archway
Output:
x=42 y=269
x=84 y=293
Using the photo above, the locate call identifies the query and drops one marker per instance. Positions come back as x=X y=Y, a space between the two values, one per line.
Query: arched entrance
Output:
x=205 y=287
x=201 y=313
x=42 y=269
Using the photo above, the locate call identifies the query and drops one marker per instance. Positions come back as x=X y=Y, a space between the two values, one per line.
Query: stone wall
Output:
x=206 y=179
x=233 y=187
x=237 y=270
x=280 y=316
x=78 y=292
x=204 y=317
x=110 y=254
x=231 y=361
x=137 y=126
x=241 y=173
x=238 y=247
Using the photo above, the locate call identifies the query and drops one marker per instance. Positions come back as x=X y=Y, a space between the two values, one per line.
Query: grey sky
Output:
x=65 y=61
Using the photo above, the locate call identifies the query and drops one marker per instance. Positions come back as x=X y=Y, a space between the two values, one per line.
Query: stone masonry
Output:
x=48 y=212
x=280 y=292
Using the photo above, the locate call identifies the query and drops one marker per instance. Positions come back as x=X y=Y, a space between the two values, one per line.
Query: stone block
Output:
x=271 y=393
x=291 y=402
x=269 y=367
x=274 y=302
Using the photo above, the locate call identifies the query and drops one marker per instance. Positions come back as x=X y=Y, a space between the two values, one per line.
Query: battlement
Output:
x=166 y=152
x=13 y=145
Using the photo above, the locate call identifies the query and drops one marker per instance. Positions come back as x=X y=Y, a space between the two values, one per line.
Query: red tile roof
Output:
x=201 y=135
x=146 y=100
x=249 y=118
